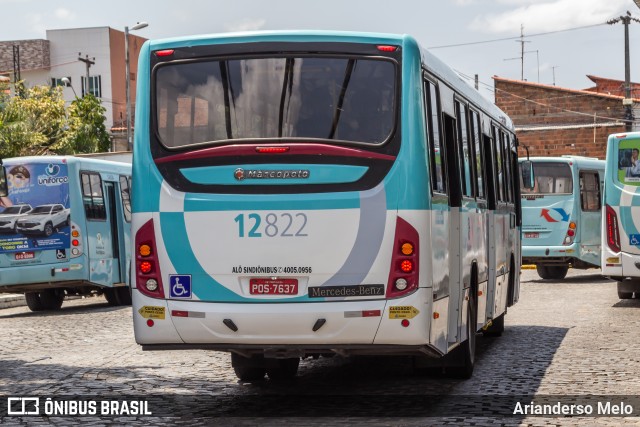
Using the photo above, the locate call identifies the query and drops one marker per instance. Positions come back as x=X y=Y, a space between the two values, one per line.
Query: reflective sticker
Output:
x=403 y=312
x=152 y=312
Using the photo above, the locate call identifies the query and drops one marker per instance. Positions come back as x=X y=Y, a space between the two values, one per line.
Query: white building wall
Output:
x=67 y=45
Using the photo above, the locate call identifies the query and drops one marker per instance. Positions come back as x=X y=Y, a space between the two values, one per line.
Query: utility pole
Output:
x=16 y=64
x=88 y=62
x=628 y=100
x=553 y=69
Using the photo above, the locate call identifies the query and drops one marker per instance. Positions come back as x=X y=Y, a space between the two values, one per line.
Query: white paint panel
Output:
x=439 y=326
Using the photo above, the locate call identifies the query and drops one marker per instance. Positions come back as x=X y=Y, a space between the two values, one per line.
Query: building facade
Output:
x=553 y=121
x=92 y=59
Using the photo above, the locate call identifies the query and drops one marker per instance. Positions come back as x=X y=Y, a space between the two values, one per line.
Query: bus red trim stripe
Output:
x=295 y=149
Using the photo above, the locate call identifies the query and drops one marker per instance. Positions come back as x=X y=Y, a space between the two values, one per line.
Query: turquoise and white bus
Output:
x=621 y=214
x=561 y=214
x=65 y=229
x=311 y=193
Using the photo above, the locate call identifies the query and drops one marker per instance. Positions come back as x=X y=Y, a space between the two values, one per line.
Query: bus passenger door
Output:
x=114 y=219
x=590 y=217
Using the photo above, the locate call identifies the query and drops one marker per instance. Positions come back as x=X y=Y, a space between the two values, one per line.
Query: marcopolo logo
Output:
x=51 y=177
x=242 y=174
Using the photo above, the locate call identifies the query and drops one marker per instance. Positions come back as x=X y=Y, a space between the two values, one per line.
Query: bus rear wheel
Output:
x=248 y=369
x=52 y=299
x=552 y=272
x=110 y=296
x=623 y=293
x=33 y=301
x=283 y=369
x=461 y=361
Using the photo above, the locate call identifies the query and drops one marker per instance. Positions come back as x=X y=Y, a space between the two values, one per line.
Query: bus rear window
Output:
x=550 y=178
x=342 y=99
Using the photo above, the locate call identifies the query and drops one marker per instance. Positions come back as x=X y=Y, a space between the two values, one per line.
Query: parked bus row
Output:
x=319 y=193
x=585 y=213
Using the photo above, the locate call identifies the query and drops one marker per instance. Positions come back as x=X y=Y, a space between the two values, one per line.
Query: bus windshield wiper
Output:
x=336 y=115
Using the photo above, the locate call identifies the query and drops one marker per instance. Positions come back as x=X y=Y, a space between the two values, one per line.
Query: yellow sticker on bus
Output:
x=152 y=312
x=403 y=312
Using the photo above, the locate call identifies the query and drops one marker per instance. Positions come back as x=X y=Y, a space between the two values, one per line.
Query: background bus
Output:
x=310 y=193
x=620 y=235
x=65 y=229
x=561 y=215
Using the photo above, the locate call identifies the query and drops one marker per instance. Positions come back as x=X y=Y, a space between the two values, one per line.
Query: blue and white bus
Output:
x=65 y=229
x=310 y=193
x=561 y=214
x=621 y=214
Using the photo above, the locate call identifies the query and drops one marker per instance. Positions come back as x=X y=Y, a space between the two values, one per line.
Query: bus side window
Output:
x=476 y=136
x=125 y=194
x=497 y=167
x=436 y=160
x=92 y=196
x=589 y=191
x=465 y=165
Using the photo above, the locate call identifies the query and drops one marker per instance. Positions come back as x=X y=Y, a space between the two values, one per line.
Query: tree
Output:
x=85 y=132
x=30 y=124
x=37 y=123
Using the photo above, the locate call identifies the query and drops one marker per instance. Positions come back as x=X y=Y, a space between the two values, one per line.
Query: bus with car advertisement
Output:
x=319 y=193
x=65 y=226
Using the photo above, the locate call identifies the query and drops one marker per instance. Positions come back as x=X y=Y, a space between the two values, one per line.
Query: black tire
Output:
x=552 y=272
x=283 y=369
x=248 y=369
x=111 y=296
x=124 y=295
x=496 y=329
x=33 y=301
x=623 y=294
x=48 y=229
x=461 y=361
x=52 y=299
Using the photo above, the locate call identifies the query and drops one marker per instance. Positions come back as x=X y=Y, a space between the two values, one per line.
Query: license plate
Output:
x=531 y=235
x=25 y=255
x=273 y=286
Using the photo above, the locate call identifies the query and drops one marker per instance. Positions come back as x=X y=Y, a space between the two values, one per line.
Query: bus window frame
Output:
x=92 y=211
x=429 y=83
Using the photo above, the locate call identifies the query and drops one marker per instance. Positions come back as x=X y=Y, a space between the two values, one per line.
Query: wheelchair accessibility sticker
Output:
x=634 y=239
x=180 y=286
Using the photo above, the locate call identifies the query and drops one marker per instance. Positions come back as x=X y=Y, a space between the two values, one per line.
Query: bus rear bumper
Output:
x=550 y=255
x=363 y=327
x=40 y=276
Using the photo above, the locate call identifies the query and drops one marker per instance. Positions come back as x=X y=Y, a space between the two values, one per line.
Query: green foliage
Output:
x=36 y=122
x=86 y=132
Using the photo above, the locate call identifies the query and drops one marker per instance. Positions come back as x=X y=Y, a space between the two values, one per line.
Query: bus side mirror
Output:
x=4 y=190
x=526 y=168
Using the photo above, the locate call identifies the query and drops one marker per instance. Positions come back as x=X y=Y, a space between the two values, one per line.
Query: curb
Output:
x=12 y=300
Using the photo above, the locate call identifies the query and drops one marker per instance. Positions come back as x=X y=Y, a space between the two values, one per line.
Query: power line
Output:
x=516 y=37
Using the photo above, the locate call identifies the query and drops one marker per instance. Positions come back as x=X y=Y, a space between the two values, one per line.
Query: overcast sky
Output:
x=566 y=39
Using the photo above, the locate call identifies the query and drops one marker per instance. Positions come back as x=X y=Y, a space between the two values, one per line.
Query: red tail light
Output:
x=272 y=150
x=613 y=235
x=403 y=277
x=167 y=52
x=148 y=280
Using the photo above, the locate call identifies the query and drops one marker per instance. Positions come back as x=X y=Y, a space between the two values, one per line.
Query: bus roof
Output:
x=97 y=162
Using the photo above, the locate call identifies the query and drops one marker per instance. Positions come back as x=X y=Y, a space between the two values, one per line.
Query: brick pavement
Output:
x=568 y=338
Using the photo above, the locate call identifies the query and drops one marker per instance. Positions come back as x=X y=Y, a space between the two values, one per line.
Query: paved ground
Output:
x=571 y=339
